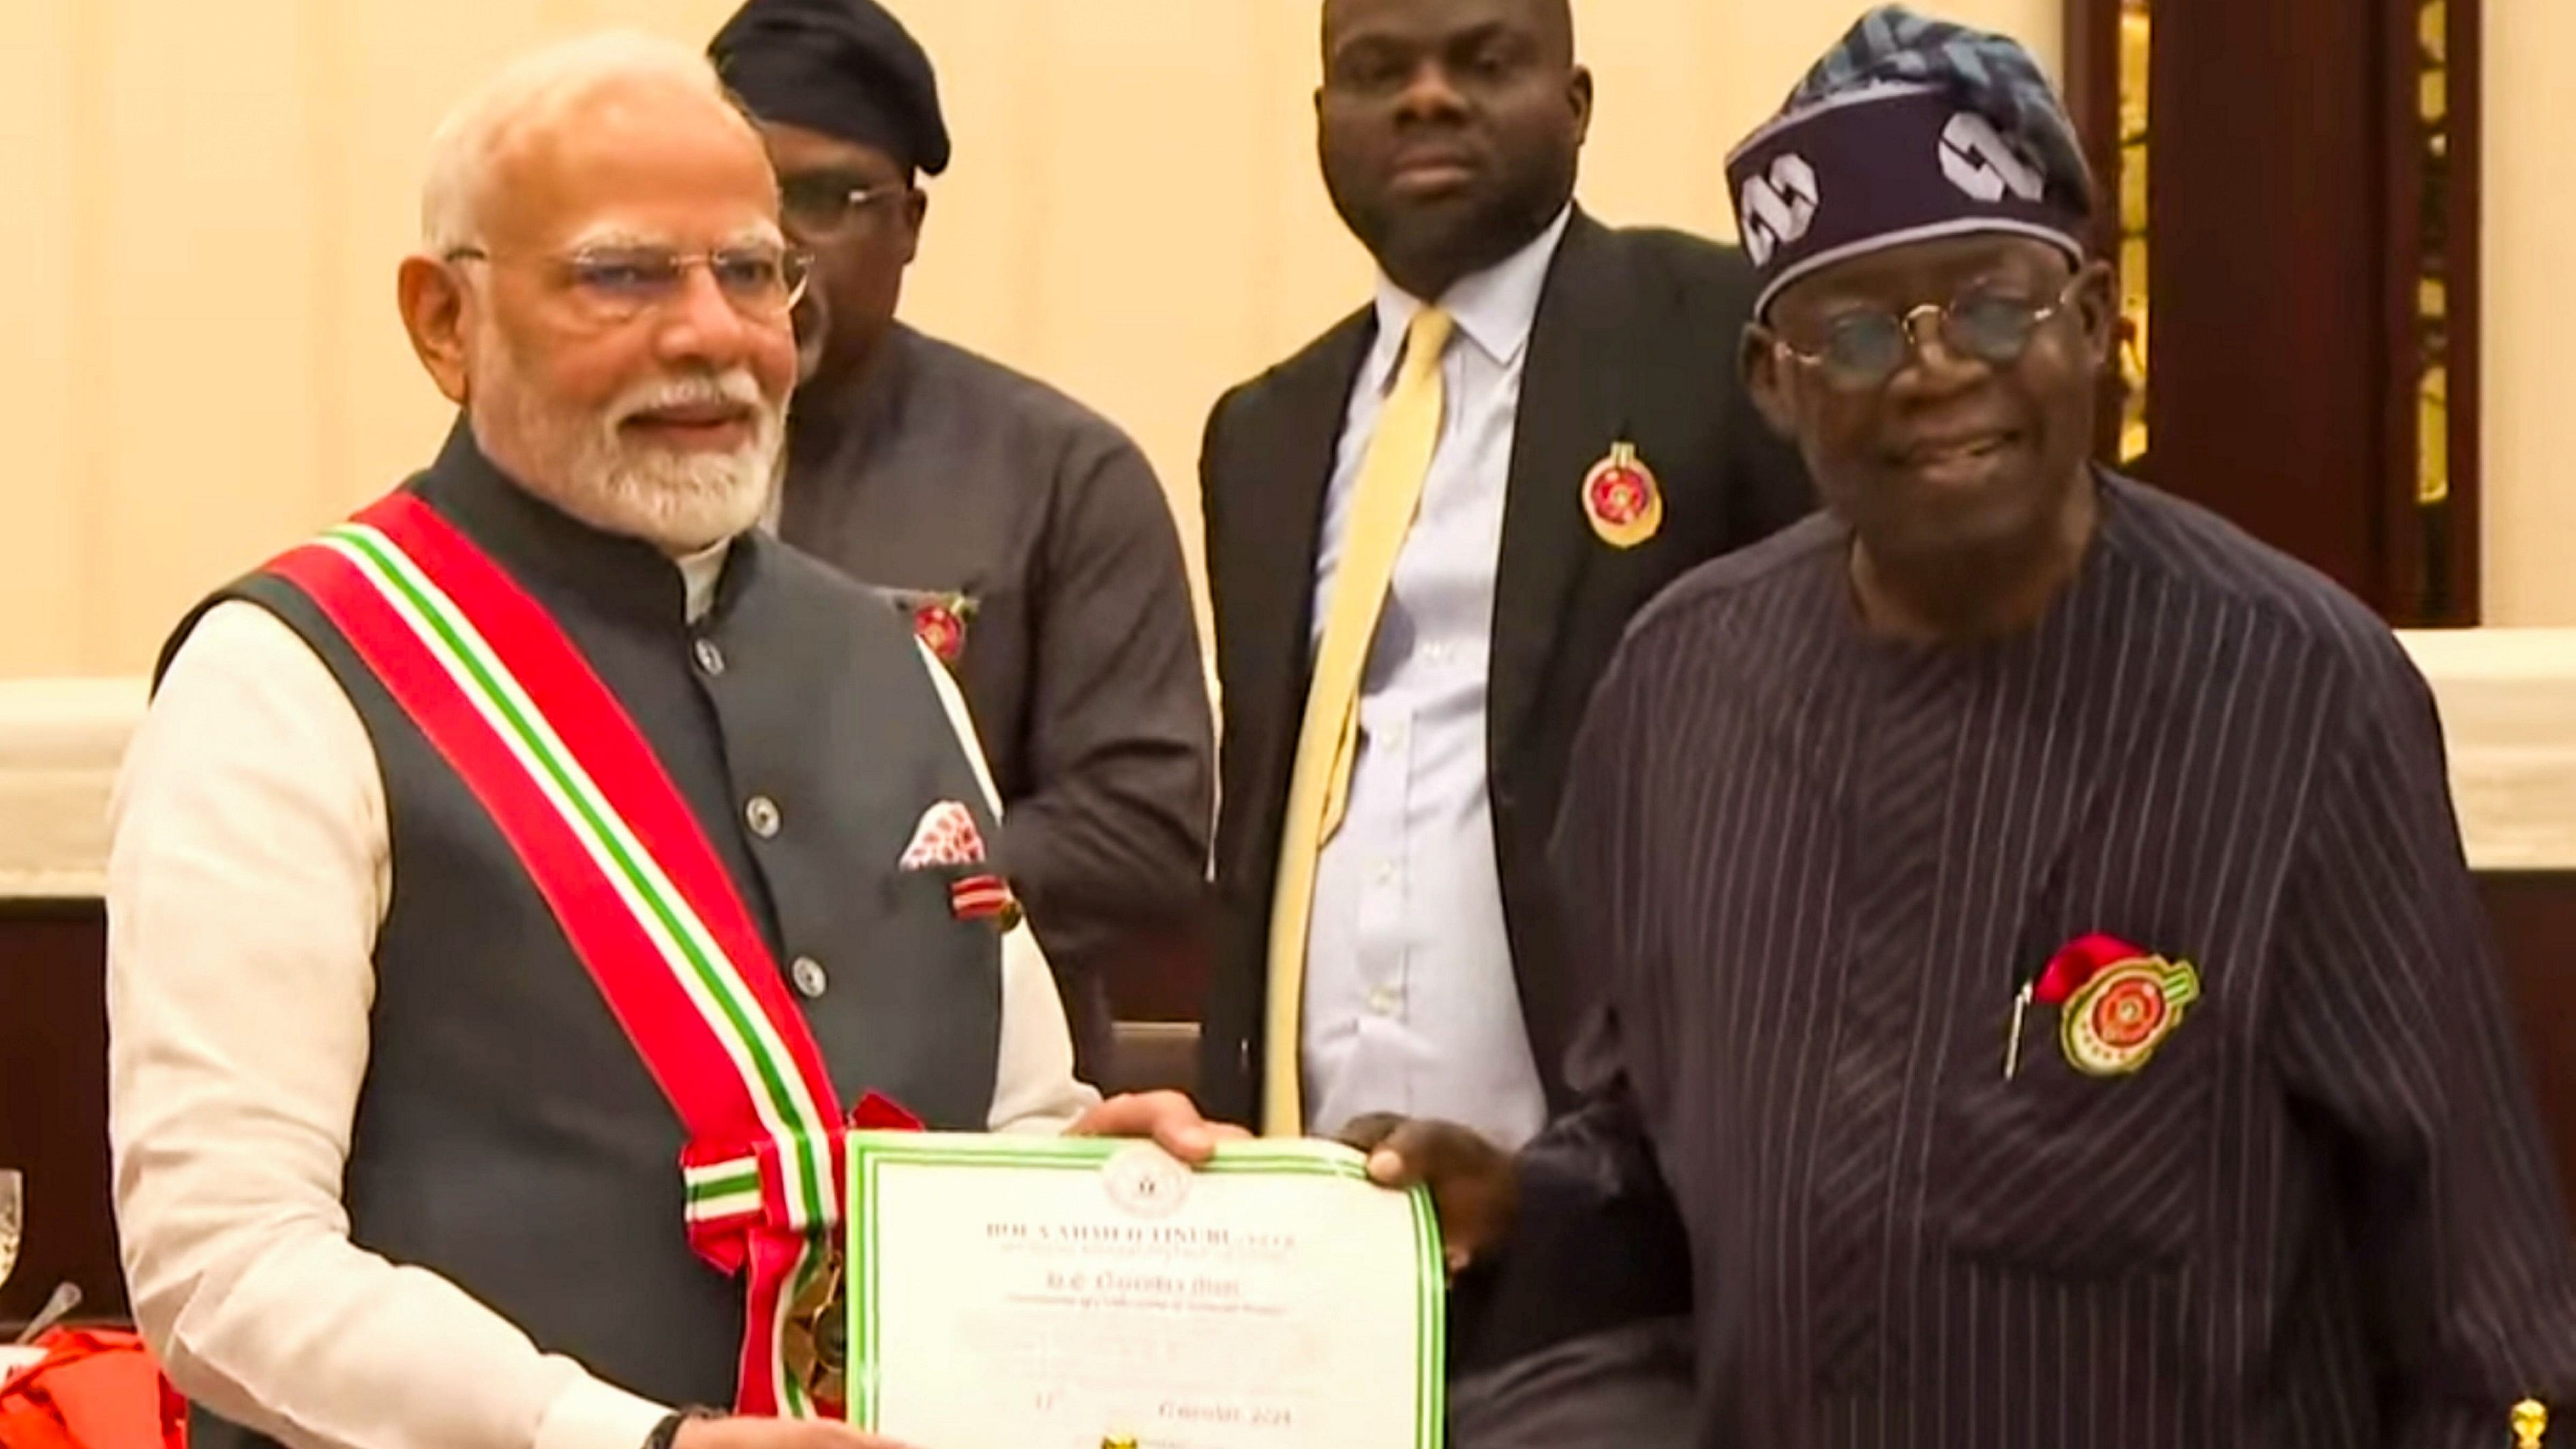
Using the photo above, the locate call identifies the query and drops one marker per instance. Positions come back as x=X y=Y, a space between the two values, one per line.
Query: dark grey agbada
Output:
x=1816 y=864
x=942 y=474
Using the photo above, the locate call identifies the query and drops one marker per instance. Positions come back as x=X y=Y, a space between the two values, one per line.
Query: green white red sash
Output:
x=640 y=893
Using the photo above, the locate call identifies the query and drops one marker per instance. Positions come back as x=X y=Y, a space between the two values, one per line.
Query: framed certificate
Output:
x=1066 y=1293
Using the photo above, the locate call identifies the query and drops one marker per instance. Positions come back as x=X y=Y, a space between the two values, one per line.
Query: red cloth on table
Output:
x=93 y=1389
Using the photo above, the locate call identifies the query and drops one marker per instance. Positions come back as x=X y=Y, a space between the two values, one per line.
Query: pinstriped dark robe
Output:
x=1814 y=866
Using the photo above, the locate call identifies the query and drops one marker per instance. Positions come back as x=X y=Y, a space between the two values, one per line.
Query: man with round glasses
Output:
x=1023 y=535
x=504 y=880
x=2037 y=965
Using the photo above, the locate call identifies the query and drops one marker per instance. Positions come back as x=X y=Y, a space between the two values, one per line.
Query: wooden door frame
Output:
x=2416 y=562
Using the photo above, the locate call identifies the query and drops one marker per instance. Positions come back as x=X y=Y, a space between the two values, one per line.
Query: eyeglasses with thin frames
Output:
x=618 y=284
x=1862 y=350
x=826 y=208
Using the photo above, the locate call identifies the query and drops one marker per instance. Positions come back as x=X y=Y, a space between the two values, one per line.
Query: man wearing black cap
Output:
x=2039 y=965
x=1022 y=534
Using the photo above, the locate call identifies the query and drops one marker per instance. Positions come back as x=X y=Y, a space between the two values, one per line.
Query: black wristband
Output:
x=669 y=1429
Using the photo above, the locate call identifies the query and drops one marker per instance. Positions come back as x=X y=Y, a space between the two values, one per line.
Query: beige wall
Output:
x=2528 y=411
x=198 y=352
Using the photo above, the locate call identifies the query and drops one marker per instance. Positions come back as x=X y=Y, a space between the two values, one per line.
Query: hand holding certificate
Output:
x=1013 y=1293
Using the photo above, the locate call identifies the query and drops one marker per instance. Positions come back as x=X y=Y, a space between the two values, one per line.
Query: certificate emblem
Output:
x=1146 y=1182
x=1622 y=499
x=2115 y=1021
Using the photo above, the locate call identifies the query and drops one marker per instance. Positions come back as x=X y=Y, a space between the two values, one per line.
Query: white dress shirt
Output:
x=249 y=874
x=1411 y=1005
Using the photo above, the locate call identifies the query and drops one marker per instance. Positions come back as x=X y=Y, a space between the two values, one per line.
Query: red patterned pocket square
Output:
x=946 y=836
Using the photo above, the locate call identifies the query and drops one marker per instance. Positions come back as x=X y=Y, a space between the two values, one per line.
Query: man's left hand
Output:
x=1170 y=1118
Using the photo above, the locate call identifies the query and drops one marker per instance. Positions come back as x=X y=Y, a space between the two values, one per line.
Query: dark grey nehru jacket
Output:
x=508 y=1136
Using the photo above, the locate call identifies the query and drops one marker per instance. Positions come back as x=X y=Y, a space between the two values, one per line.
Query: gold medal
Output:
x=1621 y=498
x=816 y=1336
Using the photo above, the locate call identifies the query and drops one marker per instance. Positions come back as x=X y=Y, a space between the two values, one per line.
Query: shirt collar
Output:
x=1494 y=308
x=699 y=574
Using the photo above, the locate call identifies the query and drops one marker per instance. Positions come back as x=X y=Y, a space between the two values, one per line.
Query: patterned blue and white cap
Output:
x=1909 y=129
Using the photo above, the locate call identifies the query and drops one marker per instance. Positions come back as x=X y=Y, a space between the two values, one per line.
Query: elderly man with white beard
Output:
x=519 y=890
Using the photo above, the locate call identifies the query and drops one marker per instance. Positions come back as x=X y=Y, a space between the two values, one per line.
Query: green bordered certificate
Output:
x=1063 y=1293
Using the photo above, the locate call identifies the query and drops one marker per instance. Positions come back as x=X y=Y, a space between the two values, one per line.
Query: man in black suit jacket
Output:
x=1449 y=132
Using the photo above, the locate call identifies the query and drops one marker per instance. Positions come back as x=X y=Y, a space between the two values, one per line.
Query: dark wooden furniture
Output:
x=53 y=1103
x=2298 y=183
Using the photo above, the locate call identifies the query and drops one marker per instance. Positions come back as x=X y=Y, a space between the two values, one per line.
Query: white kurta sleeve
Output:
x=246 y=882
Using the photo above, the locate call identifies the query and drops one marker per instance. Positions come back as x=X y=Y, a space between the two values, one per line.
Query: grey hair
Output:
x=528 y=93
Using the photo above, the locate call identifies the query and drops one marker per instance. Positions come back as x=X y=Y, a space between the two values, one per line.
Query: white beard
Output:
x=679 y=502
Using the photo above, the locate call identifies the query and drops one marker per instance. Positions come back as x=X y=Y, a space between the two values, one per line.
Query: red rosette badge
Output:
x=2117 y=1002
x=940 y=625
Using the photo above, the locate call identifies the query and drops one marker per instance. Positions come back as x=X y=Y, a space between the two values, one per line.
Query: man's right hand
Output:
x=1475 y=1186
x=774 y=1434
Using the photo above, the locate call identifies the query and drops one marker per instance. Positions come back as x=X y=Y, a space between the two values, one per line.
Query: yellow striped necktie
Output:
x=1383 y=503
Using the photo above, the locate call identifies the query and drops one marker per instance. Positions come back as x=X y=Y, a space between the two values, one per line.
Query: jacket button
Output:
x=809 y=976
x=761 y=814
x=710 y=658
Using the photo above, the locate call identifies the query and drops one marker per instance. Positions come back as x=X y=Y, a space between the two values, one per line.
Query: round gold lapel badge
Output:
x=1622 y=499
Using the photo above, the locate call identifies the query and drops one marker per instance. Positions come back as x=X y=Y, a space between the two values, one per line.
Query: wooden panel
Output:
x=1166 y=979
x=2091 y=91
x=2429 y=496
x=2462 y=544
x=53 y=1104
x=2315 y=370
x=2269 y=363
